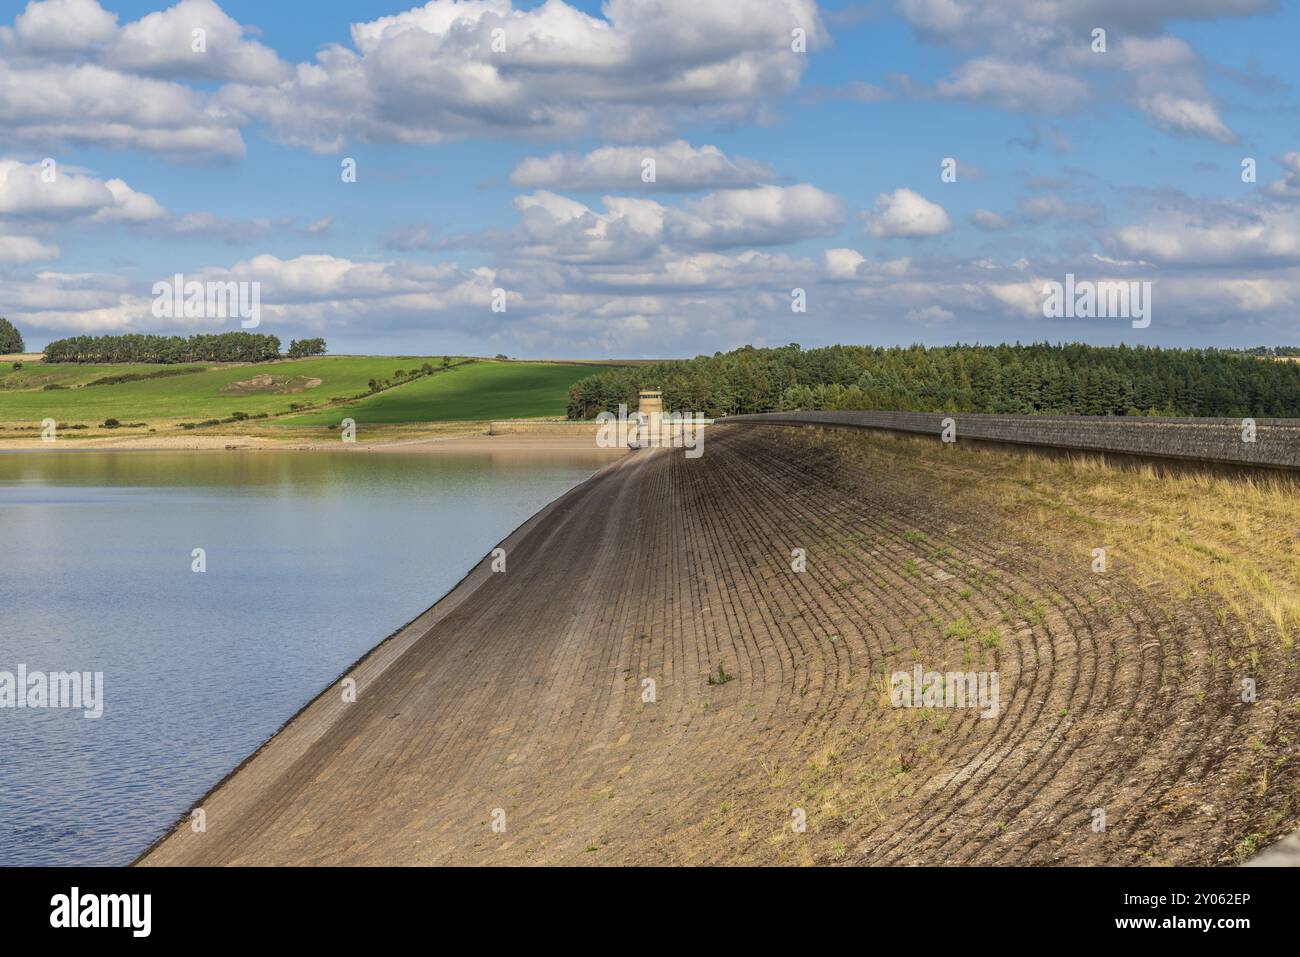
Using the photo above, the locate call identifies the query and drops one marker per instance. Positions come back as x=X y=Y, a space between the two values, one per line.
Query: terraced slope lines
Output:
x=514 y=724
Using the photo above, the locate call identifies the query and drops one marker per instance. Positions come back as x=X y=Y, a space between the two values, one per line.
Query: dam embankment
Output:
x=685 y=658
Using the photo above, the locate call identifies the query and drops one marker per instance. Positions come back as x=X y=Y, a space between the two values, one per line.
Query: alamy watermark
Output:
x=178 y=299
x=657 y=430
x=127 y=911
x=1098 y=300
x=919 y=688
x=53 y=689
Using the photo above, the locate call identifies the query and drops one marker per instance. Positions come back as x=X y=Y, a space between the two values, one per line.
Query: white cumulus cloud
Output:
x=448 y=70
x=30 y=191
x=677 y=167
x=906 y=214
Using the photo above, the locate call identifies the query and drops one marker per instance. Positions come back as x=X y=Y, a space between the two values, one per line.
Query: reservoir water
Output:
x=311 y=559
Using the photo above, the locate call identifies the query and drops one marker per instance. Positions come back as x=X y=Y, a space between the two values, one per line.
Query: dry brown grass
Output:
x=1234 y=539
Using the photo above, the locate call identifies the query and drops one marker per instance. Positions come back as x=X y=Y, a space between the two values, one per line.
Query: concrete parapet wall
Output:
x=543 y=427
x=1276 y=445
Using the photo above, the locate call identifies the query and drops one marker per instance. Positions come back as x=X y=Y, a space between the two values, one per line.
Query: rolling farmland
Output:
x=164 y=396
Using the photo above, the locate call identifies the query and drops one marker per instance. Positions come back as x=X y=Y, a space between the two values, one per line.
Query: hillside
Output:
x=164 y=397
x=482 y=390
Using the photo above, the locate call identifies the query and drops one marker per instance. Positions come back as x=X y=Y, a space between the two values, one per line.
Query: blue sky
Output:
x=518 y=169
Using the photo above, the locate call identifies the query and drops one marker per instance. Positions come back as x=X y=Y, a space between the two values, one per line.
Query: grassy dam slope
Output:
x=653 y=681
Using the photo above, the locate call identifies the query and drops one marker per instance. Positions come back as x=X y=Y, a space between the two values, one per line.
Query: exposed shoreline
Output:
x=457 y=442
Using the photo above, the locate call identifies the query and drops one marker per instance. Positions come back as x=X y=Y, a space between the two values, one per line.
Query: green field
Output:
x=479 y=389
x=482 y=390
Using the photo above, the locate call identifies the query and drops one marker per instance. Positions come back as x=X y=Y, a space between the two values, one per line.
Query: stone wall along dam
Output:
x=1270 y=443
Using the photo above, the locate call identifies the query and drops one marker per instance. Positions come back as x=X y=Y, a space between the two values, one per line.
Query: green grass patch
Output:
x=473 y=392
x=961 y=629
x=157 y=394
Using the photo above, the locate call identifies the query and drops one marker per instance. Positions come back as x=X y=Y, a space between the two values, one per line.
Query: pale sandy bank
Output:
x=448 y=441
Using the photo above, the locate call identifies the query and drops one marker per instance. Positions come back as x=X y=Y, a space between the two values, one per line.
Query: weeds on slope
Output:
x=1233 y=539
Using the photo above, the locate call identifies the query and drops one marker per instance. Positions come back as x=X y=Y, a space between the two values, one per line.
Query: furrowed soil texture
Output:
x=521 y=700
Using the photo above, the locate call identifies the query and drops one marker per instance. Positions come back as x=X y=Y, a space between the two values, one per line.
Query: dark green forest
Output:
x=222 y=347
x=1039 y=379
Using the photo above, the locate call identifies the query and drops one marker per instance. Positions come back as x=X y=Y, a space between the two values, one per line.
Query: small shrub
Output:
x=960 y=629
x=111 y=424
x=907 y=760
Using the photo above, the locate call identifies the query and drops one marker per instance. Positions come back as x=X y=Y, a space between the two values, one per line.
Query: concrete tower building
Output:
x=648 y=418
x=650 y=403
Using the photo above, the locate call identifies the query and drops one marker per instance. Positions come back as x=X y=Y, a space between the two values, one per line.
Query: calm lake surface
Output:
x=312 y=559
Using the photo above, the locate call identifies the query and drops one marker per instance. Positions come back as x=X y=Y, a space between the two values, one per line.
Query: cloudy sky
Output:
x=793 y=145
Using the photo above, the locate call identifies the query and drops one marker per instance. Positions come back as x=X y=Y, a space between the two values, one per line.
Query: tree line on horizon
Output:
x=219 y=347
x=1036 y=379
x=1278 y=351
